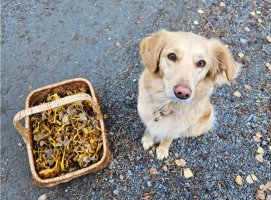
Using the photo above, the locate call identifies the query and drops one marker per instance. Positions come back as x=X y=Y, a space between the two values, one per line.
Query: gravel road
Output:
x=48 y=41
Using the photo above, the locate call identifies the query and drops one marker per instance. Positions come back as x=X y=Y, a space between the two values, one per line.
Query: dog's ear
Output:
x=222 y=61
x=151 y=47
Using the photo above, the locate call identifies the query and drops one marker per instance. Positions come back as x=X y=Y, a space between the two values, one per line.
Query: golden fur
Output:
x=183 y=118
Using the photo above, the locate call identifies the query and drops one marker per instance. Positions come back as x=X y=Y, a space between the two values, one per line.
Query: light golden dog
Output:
x=175 y=88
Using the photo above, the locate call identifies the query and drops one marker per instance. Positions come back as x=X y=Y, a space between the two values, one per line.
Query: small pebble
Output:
x=243 y=40
x=247 y=29
x=111 y=181
x=121 y=177
x=116 y=192
x=134 y=80
x=149 y=183
x=20 y=144
x=66 y=190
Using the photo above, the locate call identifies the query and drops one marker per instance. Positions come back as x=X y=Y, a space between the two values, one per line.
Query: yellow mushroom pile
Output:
x=66 y=138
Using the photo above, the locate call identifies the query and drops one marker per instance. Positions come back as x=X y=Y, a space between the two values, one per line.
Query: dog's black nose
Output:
x=182 y=92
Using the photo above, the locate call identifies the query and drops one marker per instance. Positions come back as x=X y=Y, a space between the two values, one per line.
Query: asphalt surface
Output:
x=45 y=42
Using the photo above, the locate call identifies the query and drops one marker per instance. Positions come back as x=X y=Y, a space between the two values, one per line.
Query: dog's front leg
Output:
x=147 y=140
x=162 y=150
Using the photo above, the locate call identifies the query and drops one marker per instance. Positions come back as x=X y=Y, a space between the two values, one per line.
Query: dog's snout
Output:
x=182 y=92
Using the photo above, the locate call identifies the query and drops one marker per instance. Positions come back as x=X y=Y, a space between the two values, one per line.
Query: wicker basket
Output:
x=32 y=106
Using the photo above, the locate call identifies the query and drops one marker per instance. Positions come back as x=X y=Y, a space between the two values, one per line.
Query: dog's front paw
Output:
x=147 y=142
x=162 y=152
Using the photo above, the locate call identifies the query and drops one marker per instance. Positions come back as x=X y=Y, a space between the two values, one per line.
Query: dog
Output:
x=174 y=89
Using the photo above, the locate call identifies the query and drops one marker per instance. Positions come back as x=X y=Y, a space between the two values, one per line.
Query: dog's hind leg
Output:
x=147 y=140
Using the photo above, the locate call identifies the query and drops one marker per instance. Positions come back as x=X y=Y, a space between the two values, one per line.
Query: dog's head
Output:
x=183 y=59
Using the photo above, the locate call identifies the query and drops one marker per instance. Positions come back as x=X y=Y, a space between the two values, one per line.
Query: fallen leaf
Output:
x=118 y=44
x=259 y=20
x=241 y=55
x=226 y=45
x=187 y=173
x=238 y=180
x=260 y=195
x=237 y=94
x=30 y=87
x=200 y=11
x=268 y=197
x=268 y=186
x=164 y=168
x=268 y=38
x=222 y=4
x=253 y=13
x=153 y=171
x=42 y=197
x=196 y=22
x=2 y=179
x=256 y=139
x=153 y=148
x=180 y=162
x=254 y=2
x=254 y=177
x=248 y=87
x=258 y=12
x=262 y=187
x=260 y=150
x=249 y=179
x=259 y=157
x=258 y=134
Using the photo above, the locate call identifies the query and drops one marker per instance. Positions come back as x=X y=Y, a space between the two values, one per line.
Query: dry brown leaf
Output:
x=237 y=94
x=260 y=195
x=256 y=139
x=200 y=11
x=259 y=157
x=164 y=168
x=248 y=87
x=259 y=20
x=254 y=177
x=42 y=197
x=153 y=171
x=180 y=162
x=249 y=179
x=241 y=55
x=253 y=13
x=118 y=44
x=254 y=2
x=258 y=134
x=262 y=187
x=187 y=173
x=196 y=22
x=238 y=180
x=153 y=148
x=268 y=65
x=268 y=186
x=222 y=4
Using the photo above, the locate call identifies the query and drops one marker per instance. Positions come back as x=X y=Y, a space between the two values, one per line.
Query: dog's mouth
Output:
x=174 y=98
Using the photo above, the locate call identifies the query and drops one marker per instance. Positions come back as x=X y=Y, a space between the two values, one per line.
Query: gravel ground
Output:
x=45 y=42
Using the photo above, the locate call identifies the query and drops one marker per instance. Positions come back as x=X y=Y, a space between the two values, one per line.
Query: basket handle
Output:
x=54 y=104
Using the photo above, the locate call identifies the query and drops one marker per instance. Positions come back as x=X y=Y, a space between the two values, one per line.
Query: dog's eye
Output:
x=172 y=56
x=201 y=63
